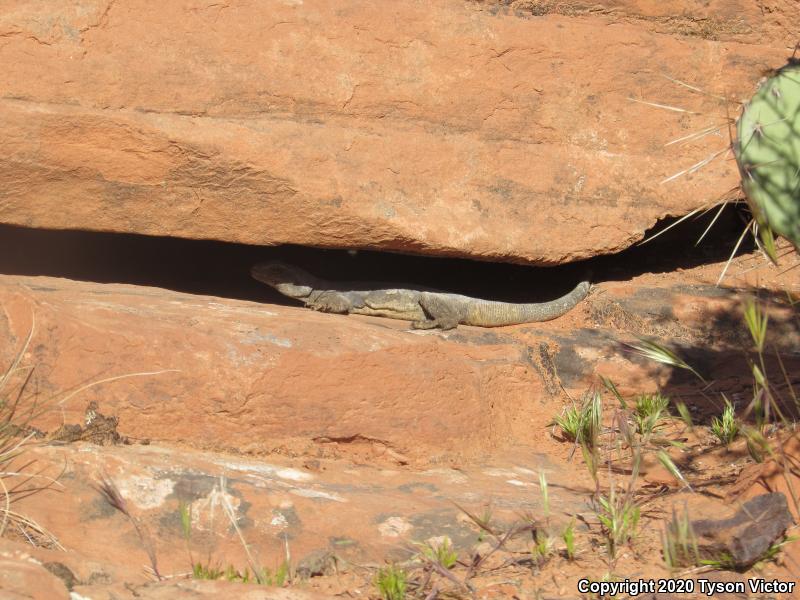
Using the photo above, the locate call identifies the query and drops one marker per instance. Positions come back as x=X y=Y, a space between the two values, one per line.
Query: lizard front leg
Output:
x=330 y=302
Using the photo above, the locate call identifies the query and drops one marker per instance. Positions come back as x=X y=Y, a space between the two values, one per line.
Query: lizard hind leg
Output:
x=439 y=314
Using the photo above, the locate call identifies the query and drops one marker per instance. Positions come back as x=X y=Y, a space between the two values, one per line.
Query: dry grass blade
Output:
x=700 y=210
x=710 y=225
x=733 y=253
x=760 y=265
x=10 y=449
x=693 y=88
x=22 y=490
x=698 y=165
x=114 y=498
x=27 y=527
x=664 y=106
x=13 y=440
x=786 y=378
x=611 y=387
x=6 y=509
x=481 y=523
x=18 y=358
x=793 y=267
x=231 y=514
x=500 y=543
x=110 y=379
x=696 y=135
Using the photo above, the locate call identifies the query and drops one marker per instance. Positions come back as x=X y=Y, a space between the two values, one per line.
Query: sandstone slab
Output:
x=445 y=128
x=24 y=578
x=334 y=515
x=256 y=378
x=151 y=364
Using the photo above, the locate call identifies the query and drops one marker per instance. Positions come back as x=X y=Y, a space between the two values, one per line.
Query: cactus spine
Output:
x=768 y=153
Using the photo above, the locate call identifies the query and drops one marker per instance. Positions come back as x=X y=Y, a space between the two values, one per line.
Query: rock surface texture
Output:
x=452 y=128
x=746 y=535
x=24 y=578
x=224 y=374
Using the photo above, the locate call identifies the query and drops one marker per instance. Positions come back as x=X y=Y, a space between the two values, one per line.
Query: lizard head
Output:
x=287 y=279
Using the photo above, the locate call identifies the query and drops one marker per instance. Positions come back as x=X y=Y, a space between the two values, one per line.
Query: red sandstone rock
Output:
x=440 y=128
x=362 y=513
x=198 y=590
x=258 y=378
x=355 y=399
x=24 y=578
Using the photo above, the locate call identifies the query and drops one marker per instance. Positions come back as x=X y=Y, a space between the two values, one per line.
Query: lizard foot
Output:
x=433 y=324
x=331 y=302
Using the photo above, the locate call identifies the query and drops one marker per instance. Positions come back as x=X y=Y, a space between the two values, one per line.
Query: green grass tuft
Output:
x=619 y=516
x=441 y=553
x=582 y=425
x=726 y=428
x=391 y=582
x=650 y=410
x=679 y=543
x=568 y=536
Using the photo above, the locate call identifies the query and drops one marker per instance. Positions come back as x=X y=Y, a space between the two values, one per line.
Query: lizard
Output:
x=426 y=308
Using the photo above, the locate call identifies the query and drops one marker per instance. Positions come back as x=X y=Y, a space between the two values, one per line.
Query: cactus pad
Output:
x=768 y=153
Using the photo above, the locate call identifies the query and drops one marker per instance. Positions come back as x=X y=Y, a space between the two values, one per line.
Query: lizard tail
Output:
x=485 y=313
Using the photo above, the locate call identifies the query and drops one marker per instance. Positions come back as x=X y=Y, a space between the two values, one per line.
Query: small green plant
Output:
x=591 y=458
x=583 y=424
x=726 y=428
x=673 y=469
x=758 y=447
x=685 y=415
x=483 y=522
x=649 y=412
x=612 y=387
x=207 y=572
x=773 y=550
x=252 y=574
x=570 y=422
x=619 y=517
x=543 y=488
x=722 y=562
x=391 y=582
x=725 y=562
x=756 y=320
x=441 y=552
x=231 y=573
x=568 y=535
x=679 y=543
x=544 y=546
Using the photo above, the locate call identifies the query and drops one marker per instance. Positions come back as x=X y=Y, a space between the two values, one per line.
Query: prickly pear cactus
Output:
x=768 y=152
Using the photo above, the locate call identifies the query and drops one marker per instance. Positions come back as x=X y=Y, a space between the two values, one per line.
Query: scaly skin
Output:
x=426 y=308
